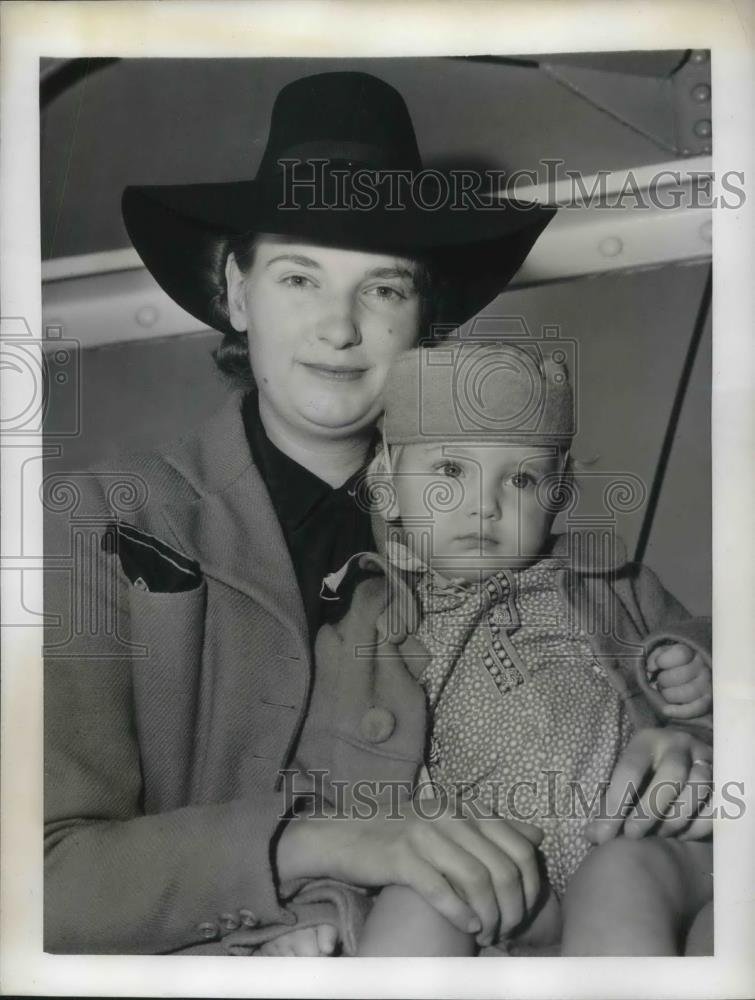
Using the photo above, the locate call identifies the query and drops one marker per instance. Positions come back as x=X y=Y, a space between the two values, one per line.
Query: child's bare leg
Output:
x=401 y=923
x=544 y=928
x=636 y=897
x=700 y=936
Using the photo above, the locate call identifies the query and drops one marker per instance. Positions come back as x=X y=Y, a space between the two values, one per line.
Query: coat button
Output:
x=208 y=929
x=229 y=922
x=248 y=919
x=377 y=724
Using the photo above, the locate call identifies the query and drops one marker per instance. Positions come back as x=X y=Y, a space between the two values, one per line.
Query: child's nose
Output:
x=487 y=505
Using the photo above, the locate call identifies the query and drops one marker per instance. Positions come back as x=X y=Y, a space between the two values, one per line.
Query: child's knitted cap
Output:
x=497 y=389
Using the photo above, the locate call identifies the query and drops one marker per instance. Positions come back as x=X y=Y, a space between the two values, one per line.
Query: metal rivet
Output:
x=611 y=246
x=702 y=128
x=700 y=93
x=146 y=316
x=699 y=56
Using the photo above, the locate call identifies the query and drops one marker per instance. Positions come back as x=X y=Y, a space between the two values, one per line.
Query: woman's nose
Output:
x=339 y=326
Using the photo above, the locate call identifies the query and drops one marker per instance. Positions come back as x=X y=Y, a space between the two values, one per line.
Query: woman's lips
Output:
x=335 y=373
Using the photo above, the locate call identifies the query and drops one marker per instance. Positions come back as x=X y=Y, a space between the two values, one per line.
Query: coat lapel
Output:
x=231 y=528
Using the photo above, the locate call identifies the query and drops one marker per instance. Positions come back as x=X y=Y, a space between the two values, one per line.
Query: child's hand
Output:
x=683 y=679
x=307 y=942
x=674 y=769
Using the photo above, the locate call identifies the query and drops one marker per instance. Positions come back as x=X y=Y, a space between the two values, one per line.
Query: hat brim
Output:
x=176 y=230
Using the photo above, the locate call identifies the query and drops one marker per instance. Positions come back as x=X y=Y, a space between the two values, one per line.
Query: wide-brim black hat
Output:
x=341 y=168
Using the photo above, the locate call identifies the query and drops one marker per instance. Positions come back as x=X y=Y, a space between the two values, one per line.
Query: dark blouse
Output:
x=323 y=527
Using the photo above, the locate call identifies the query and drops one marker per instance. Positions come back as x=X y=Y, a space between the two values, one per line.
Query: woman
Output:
x=167 y=726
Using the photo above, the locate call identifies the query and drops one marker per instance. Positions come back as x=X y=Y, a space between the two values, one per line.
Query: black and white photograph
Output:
x=367 y=441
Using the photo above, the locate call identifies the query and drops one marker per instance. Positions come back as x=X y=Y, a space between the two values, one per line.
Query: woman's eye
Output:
x=451 y=469
x=387 y=293
x=522 y=480
x=297 y=281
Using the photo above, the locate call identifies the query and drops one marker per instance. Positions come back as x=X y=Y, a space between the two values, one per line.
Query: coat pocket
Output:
x=169 y=628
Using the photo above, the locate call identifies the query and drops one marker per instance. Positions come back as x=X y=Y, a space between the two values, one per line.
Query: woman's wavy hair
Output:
x=439 y=295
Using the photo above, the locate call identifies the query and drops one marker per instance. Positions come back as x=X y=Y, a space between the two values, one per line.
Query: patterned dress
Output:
x=520 y=706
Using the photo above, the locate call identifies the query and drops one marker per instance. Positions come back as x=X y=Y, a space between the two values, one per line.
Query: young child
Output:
x=546 y=655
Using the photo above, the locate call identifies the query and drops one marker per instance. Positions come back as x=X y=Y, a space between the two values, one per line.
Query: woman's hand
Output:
x=683 y=678
x=659 y=785
x=481 y=874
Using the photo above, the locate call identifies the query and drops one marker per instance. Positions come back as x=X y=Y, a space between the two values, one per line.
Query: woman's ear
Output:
x=234 y=282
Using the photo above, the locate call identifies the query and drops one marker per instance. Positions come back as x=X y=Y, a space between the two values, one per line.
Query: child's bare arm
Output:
x=401 y=923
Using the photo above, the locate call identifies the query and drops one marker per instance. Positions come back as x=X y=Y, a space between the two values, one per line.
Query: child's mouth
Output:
x=480 y=541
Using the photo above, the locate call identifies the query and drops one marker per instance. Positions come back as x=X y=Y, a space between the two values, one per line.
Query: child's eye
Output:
x=522 y=480
x=451 y=469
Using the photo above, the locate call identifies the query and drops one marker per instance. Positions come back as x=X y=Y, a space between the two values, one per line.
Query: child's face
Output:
x=481 y=503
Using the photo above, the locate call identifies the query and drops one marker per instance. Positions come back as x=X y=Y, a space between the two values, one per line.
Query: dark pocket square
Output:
x=149 y=563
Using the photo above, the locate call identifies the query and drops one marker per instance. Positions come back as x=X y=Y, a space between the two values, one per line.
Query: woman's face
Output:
x=324 y=325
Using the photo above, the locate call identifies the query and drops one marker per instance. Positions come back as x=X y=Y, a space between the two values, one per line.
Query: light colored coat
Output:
x=169 y=715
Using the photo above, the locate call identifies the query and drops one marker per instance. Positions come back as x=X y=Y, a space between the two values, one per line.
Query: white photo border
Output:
x=342 y=28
